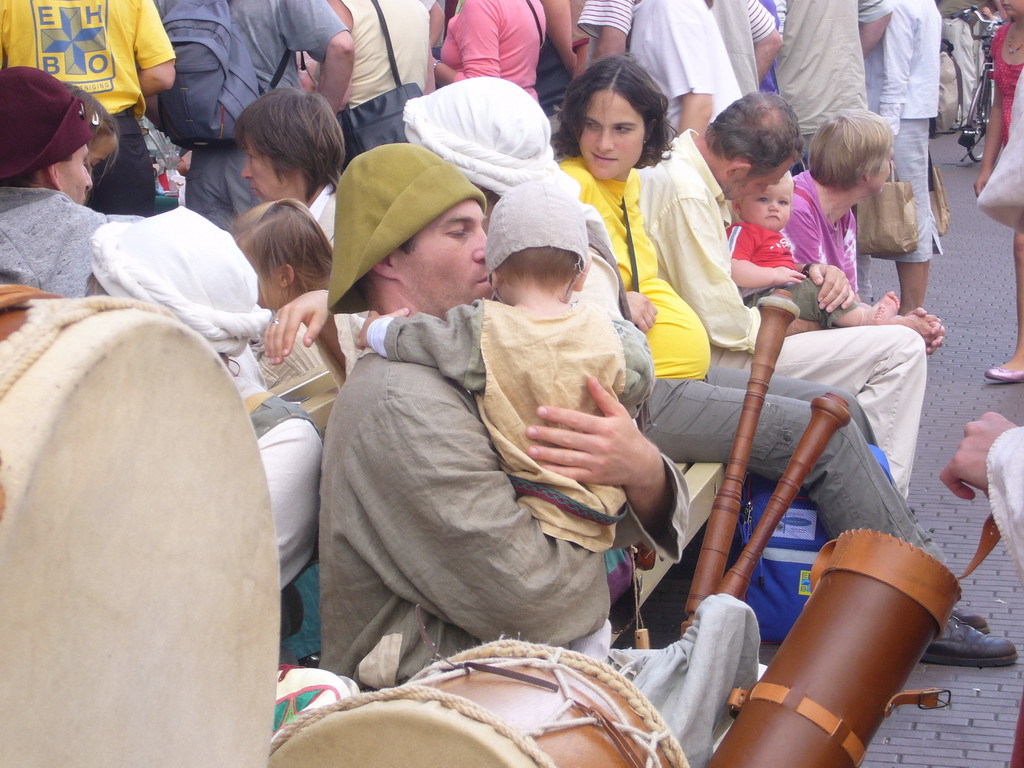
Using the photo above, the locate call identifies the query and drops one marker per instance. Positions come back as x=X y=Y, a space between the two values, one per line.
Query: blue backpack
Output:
x=214 y=75
x=781 y=582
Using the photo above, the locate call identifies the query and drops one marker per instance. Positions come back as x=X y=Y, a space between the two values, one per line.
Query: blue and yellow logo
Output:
x=805 y=583
x=71 y=40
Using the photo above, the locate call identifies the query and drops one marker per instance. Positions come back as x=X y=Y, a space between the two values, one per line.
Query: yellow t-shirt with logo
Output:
x=97 y=45
x=678 y=341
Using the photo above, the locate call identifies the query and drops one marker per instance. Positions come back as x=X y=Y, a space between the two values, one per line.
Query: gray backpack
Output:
x=214 y=75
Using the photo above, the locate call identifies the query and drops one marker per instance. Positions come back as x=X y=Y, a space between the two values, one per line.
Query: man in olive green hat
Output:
x=415 y=510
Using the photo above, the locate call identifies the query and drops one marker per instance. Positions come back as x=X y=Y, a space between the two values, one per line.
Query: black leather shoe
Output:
x=971 y=619
x=963 y=646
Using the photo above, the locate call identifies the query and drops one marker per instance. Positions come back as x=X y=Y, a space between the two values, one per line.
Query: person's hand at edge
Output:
x=968 y=469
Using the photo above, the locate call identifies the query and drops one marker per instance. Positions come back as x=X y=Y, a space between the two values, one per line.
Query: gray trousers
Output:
x=215 y=187
x=696 y=421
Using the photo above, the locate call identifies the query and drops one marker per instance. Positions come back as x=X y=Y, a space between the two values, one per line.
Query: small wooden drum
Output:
x=138 y=564
x=558 y=710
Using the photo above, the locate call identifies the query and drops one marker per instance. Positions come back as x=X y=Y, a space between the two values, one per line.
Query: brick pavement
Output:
x=972 y=289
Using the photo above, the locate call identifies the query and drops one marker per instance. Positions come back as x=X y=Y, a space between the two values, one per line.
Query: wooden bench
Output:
x=315 y=393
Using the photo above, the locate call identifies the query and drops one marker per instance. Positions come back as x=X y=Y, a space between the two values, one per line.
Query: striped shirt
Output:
x=619 y=14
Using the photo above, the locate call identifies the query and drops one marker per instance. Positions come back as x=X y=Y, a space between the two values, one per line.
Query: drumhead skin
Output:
x=138 y=562
x=583 y=684
x=406 y=726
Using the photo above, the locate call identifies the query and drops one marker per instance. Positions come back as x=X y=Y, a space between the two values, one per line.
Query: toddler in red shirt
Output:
x=762 y=260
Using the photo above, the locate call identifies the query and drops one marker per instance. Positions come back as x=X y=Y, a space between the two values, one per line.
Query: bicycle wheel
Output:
x=977 y=150
x=983 y=111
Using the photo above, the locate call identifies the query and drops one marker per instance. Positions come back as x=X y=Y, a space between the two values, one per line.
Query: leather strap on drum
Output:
x=13 y=301
x=13 y=295
x=834 y=726
x=989 y=537
x=472 y=665
x=924 y=698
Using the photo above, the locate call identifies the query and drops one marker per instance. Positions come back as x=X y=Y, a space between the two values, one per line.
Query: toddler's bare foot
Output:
x=887 y=308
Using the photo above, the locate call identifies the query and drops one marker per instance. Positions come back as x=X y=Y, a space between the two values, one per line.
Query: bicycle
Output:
x=975 y=125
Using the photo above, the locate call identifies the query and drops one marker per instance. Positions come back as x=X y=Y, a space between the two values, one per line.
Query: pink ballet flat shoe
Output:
x=1004 y=375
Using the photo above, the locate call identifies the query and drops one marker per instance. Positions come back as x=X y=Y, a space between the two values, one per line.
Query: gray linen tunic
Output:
x=415 y=510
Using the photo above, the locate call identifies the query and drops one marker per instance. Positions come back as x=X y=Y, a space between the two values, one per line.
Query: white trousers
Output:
x=884 y=366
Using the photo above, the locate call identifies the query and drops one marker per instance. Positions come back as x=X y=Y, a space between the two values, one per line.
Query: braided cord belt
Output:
x=563 y=502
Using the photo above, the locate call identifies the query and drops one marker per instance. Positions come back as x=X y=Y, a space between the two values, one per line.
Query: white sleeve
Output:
x=291 y=454
x=375 y=335
x=672 y=44
x=898 y=50
x=1006 y=492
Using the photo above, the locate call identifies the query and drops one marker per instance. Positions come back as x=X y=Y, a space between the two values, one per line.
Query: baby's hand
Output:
x=361 y=342
x=787 y=275
x=371 y=316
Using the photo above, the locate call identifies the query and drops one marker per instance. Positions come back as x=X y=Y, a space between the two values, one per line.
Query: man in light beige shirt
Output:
x=684 y=201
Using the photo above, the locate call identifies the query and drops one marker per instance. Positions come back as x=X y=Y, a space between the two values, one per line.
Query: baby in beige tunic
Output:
x=531 y=347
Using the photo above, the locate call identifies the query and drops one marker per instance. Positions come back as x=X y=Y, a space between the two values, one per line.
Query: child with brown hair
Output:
x=762 y=260
x=531 y=347
x=291 y=256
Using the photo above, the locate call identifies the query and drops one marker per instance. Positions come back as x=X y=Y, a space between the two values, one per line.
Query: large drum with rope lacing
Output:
x=138 y=563
x=507 y=704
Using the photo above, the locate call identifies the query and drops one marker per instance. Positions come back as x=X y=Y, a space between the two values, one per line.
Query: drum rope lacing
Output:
x=556 y=660
x=46 y=319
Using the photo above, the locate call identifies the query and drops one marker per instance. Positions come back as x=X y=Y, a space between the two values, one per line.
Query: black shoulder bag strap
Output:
x=387 y=42
x=280 y=70
x=536 y=20
x=632 y=252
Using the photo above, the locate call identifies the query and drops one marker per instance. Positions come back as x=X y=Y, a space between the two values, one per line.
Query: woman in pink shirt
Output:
x=849 y=160
x=493 y=38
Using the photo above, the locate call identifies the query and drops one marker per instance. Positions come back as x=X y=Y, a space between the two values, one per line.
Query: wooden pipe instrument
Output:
x=777 y=312
x=828 y=413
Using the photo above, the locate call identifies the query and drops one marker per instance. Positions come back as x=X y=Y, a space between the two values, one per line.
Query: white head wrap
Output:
x=493 y=130
x=185 y=263
x=498 y=136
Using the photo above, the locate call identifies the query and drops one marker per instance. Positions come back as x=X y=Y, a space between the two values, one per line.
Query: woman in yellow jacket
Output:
x=613 y=121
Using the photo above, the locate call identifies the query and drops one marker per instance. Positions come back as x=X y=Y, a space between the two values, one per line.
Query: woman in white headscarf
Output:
x=500 y=138
x=183 y=262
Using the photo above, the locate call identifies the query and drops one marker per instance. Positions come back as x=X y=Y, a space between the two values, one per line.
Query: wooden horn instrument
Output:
x=828 y=414
x=777 y=312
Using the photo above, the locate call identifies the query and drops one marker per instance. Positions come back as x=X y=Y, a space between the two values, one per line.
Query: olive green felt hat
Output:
x=386 y=196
